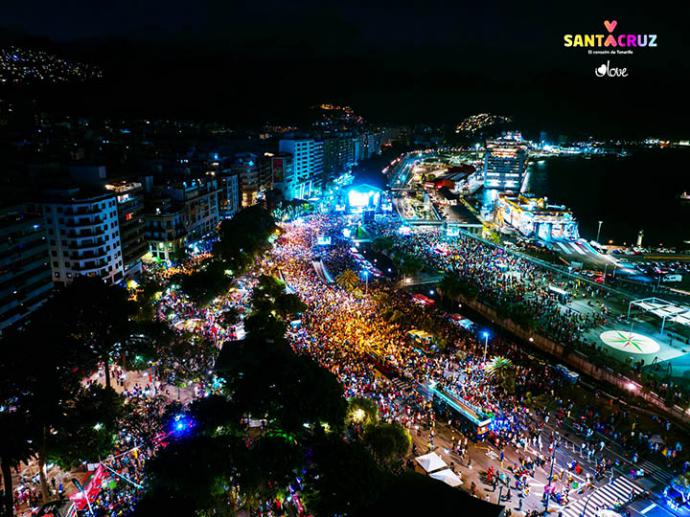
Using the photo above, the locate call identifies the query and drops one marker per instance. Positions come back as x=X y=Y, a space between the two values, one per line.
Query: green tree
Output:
x=96 y=316
x=502 y=371
x=231 y=316
x=193 y=473
x=186 y=357
x=388 y=443
x=452 y=286
x=244 y=236
x=343 y=479
x=270 y=296
x=265 y=379
x=211 y=280
x=88 y=428
x=48 y=391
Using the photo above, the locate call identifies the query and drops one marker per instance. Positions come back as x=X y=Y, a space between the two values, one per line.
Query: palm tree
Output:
x=502 y=370
x=347 y=280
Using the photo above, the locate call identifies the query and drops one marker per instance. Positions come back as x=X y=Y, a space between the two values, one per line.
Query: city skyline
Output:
x=298 y=259
x=249 y=63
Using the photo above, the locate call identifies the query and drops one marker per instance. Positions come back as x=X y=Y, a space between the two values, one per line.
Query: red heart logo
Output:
x=610 y=25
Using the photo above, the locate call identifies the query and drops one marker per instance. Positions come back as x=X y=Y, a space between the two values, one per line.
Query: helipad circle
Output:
x=629 y=342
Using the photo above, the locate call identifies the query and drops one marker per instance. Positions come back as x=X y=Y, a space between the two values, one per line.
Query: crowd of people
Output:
x=502 y=278
x=365 y=341
x=350 y=335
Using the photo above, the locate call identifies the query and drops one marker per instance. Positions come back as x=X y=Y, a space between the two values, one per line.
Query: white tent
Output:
x=430 y=462
x=448 y=477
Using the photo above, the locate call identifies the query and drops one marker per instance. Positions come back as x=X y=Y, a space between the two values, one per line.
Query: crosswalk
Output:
x=604 y=497
x=656 y=472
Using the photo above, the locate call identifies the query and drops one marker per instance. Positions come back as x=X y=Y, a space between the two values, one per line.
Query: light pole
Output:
x=550 y=480
x=599 y=230
x=584 y=510
x=366 y=282
x=485 y=335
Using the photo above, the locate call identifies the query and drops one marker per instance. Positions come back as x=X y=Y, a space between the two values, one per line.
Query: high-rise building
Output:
x=180 y=212
x=277 y=174
x=338 y=156
x=130 y=209
x=307 y=166
x=199 y=199
x=505 y=162
x=25 y=274
x=246 y=166
x=165 y=230
x=83 y=233
x=374 y=143
x=229 y=199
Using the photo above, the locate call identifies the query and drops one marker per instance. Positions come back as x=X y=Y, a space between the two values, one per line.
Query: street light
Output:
x=599 y=230
x=550 y=479
x=584 y=510
x=366 y=282
x=485 y=335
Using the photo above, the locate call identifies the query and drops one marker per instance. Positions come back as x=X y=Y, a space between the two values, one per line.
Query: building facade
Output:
x=505 y=163
x=166 y=233
x=180 y=213
x=25 y=274
x=230 y=201
x=83 y=233
x=338 y=156
x=246 y=166
x=307 y=166
x=130 y=209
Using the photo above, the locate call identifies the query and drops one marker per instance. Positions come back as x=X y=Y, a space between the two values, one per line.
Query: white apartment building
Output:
x=83 y=235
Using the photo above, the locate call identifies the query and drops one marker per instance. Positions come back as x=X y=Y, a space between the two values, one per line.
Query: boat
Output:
x=684 y=197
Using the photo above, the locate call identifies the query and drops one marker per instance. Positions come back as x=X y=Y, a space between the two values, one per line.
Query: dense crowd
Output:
x=350 y=336
x=502 y=278
x=367 y=341
x=373 y=355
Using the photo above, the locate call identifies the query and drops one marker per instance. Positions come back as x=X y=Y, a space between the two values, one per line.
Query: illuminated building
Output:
x=307 y=165
x=165 y=230
x=229 y=198
x=180 y=211
x=277 y=173
x=130 y=209
x=246 y=166
x=534 y=218
x=505 y=162
x=338 y=156
x=83 y=233
x=25 y=275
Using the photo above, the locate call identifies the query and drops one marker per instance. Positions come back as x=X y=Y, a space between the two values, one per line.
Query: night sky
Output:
x=422 y=61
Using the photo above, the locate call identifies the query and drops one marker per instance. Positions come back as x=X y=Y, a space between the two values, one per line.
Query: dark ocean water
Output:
x=639 y=191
